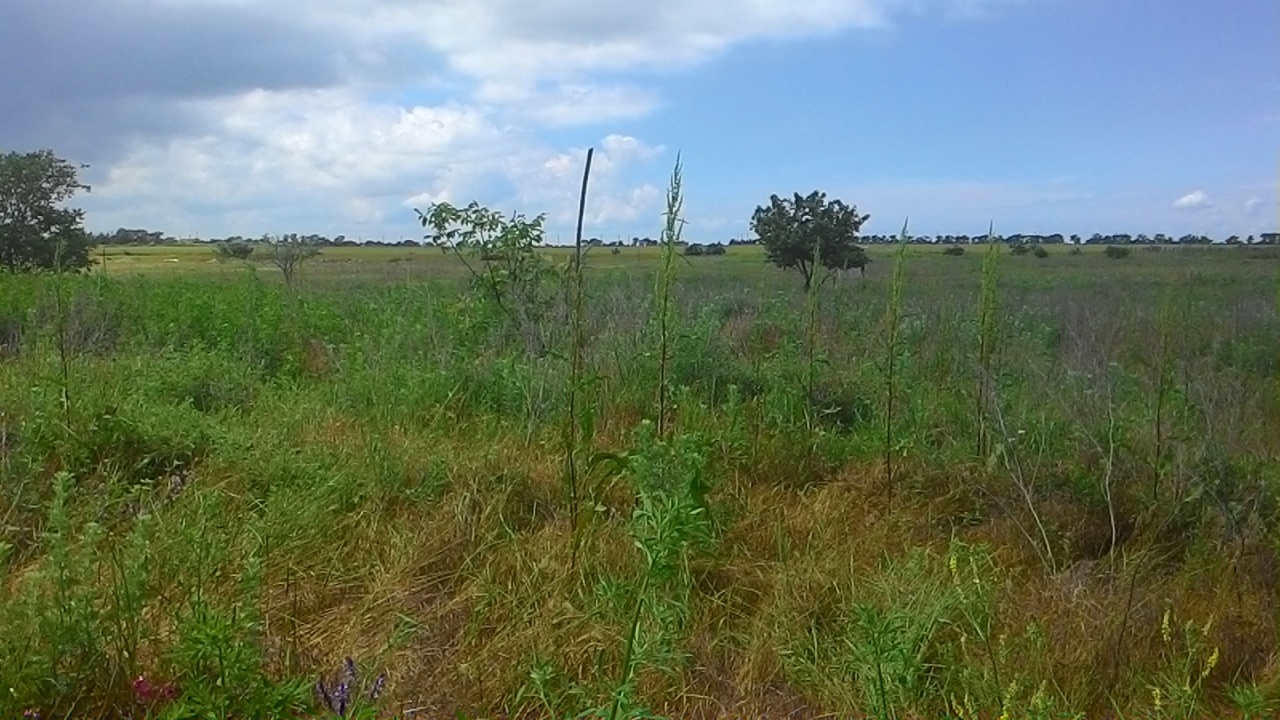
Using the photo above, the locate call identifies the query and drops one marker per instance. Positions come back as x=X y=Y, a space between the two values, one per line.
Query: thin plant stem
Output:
x=572 y=438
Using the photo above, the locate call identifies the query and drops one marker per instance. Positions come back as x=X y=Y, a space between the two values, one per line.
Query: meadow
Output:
x=969 y=487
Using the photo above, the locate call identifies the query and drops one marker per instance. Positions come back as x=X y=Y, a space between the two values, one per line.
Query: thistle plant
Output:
x=343 y=696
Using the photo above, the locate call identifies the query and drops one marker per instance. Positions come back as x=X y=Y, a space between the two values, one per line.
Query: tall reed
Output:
x=572 y=430
x=1163 y=387
x=987 y=322
x=671 y=233
x=893 y=317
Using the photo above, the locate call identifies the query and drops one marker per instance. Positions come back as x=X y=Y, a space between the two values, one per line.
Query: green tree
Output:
x=36 y=232
x=798 y=231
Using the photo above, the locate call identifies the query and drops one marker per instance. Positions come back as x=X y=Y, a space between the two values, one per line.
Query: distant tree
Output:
x=694 y=250
x=797 y=231
x=224 y=251
x=288 y=252
x=35 y=231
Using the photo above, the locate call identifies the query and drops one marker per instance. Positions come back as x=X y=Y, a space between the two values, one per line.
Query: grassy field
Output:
x=1001 y=486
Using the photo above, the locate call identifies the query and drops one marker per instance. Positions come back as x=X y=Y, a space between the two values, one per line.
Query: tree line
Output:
x=806 y=233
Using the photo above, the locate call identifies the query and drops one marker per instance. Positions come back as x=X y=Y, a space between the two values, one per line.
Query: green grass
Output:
x=247 y=485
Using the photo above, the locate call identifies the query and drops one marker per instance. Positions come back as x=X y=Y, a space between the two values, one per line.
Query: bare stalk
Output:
x=572 y=438
x=1017 y=472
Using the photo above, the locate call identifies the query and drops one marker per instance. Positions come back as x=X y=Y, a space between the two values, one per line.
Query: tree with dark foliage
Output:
x=796 y=232
x=36 y=232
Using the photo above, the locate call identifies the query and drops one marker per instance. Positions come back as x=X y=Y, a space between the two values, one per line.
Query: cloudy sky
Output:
x=215 y=117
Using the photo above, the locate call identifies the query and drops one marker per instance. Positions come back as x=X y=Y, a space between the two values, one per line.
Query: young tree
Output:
x=509 y=270
x=288 y=252
x=35 y=231
x=798 y=231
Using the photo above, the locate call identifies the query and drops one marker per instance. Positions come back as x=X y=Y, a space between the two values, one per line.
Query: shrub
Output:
x=1075 y=251
x=695 y=250
x=954 y=250
x=1019 y=249
x=1040 y=252
x=232 y=250
x=1117 y=251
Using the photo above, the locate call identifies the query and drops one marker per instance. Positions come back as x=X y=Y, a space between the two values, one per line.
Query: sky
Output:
x=208 y=118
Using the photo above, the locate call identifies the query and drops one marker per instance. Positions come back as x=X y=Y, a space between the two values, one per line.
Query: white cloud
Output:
x=330 y=161
x=1251 y=206
x=1196 y=200
x=373 y=107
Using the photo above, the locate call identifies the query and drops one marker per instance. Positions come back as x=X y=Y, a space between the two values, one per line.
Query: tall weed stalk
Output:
x=987 y=323
x=1163 y=385
x=893 y=317
x=670 y=236
x=572 y=435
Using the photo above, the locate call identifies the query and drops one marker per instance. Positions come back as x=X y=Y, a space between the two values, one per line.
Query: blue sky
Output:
x=340 y=116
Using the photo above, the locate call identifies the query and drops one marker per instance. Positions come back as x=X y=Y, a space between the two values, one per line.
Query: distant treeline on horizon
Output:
x=125 y=236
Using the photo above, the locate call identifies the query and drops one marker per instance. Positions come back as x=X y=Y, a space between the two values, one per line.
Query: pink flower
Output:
x=143 y=690
x=146 y=692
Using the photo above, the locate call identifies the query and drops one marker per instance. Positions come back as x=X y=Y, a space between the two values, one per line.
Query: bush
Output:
x=1019 y=249
x=1117 y=251
x=954 y=250
x=695 y=250
x=1040 y=252
x=714 y=249
x=232 y=251
x=1075 y=251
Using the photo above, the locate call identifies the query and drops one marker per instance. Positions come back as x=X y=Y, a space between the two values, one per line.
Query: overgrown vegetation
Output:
x=221 y=497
